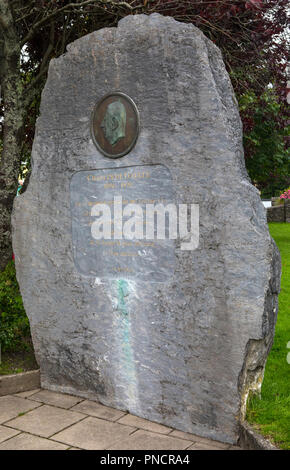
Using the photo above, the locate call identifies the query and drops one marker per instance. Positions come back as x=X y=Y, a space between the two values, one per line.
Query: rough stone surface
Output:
x=185 y=352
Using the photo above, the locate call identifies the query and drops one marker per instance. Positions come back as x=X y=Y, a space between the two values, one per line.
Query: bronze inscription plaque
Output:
x=113 y=256
x=115 y=125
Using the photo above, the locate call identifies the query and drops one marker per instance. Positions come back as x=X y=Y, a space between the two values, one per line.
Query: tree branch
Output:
x=3 y=24
x=2 y=62
x=69 y=7
x=6 y=22
x=45 y=61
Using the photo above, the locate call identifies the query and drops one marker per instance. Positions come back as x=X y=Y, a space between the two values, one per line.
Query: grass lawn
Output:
x=271 y=414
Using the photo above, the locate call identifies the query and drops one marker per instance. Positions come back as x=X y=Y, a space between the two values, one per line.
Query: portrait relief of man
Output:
x=114 y=122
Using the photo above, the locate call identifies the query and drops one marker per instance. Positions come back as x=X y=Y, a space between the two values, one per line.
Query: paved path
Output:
x=41 y=419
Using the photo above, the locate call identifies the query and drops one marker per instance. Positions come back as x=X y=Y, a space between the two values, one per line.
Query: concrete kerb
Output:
x=22 y=382
x=250 y=439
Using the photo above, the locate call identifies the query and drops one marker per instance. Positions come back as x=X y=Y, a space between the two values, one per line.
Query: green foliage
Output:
x=267 y=158
x=271 y=413
x=14 y=325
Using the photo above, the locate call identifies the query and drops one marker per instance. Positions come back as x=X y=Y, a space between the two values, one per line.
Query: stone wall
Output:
x=287 y=211
x=279 y=213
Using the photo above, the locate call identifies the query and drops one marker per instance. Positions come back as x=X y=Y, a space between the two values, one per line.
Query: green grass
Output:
x=271 y=414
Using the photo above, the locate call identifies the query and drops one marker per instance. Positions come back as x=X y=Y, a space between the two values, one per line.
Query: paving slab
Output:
x=27 y=394
x=204 y=446
x=6 y=433
x=45 y=421
x=198 y=439
x=93 y=408
x=61 y=400
x=29 y=442
x=131 y=420
x=145 y=440
x=11 y=406
x=86 y=425
x=94 y=434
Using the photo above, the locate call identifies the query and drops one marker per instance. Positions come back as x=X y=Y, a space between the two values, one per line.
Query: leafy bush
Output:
x=14 y=325
x=265 y=141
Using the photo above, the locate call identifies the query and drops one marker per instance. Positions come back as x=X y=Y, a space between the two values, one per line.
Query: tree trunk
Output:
x=12 y=95
x=9 y=165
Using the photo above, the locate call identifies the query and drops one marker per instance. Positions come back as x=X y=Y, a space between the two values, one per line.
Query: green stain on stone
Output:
x=122 y=293
x=127 y=363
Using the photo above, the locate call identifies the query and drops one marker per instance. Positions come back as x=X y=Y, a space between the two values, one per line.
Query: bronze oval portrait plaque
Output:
x=115 y=125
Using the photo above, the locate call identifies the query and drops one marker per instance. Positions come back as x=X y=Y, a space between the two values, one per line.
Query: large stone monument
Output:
x=175 y=329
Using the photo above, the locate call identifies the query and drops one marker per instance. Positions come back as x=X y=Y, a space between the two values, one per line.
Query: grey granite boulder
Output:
x=184 y=352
